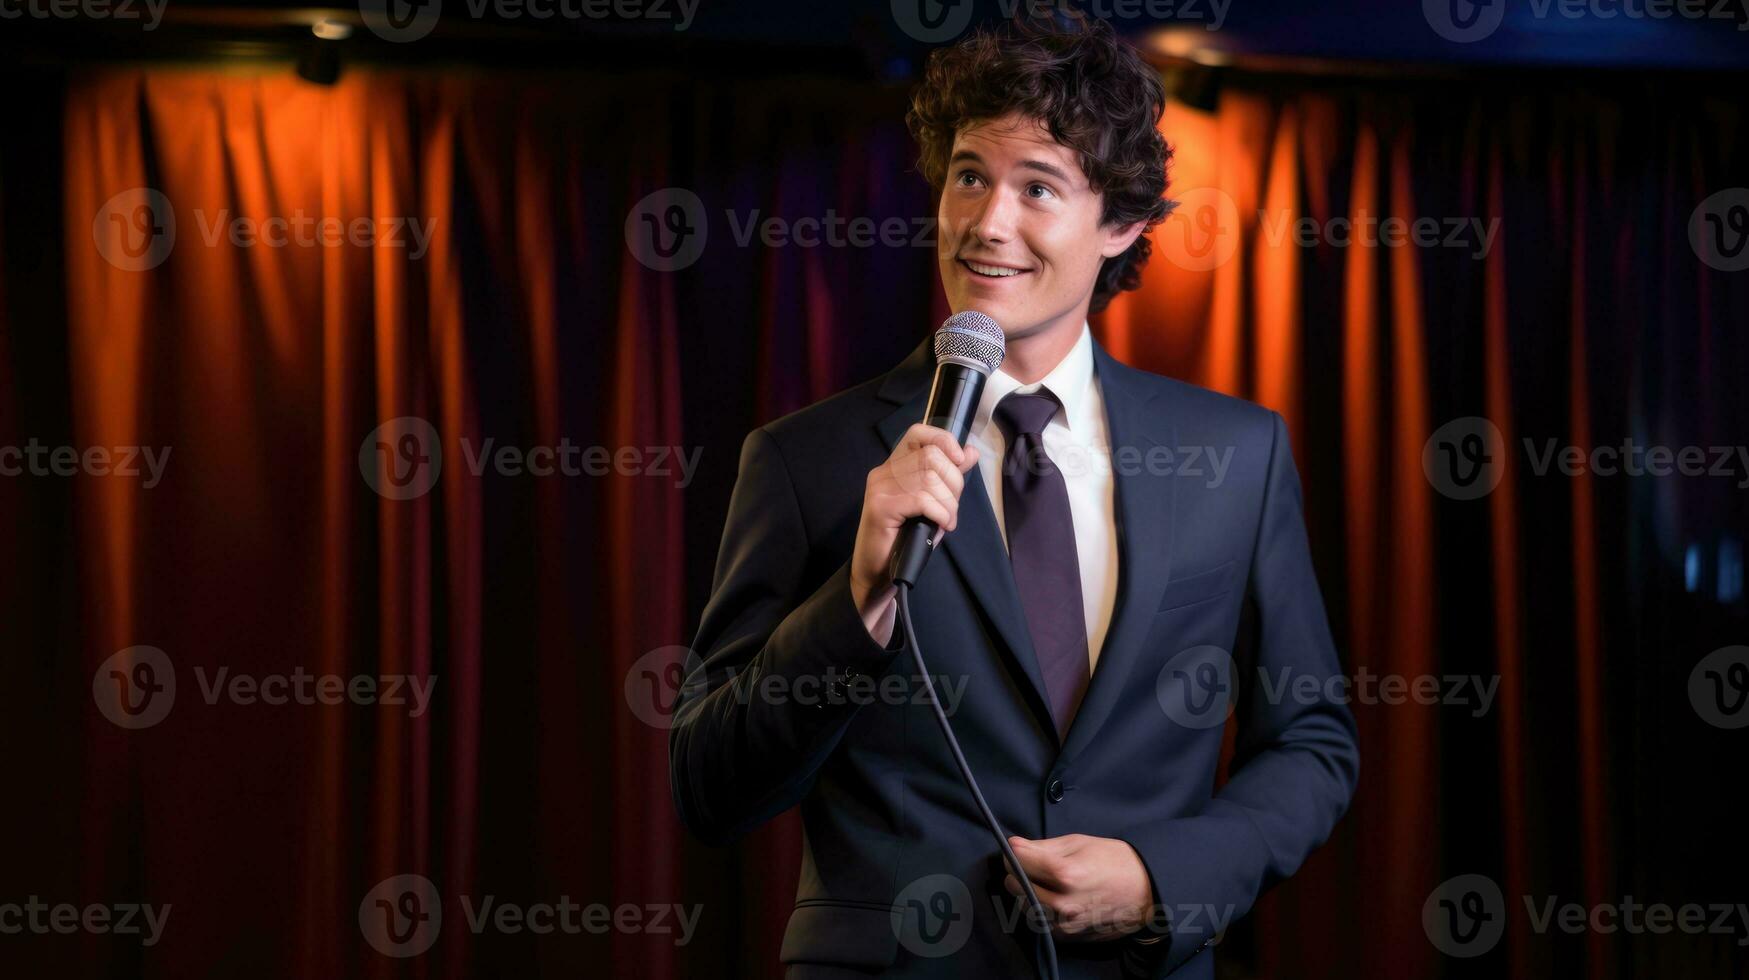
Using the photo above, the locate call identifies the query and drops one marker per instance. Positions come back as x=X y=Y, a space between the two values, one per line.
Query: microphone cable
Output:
x=1049 y=968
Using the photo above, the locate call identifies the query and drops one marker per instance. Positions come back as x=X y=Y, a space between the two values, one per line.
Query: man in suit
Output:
x=1128 y=555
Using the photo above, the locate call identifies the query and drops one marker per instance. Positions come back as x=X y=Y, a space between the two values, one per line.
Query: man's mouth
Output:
x=986 y=270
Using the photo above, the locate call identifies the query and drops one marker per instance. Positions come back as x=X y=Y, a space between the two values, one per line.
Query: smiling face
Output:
x=1021 y=238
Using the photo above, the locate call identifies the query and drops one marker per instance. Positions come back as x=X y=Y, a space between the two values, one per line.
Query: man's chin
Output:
x=1015 y=321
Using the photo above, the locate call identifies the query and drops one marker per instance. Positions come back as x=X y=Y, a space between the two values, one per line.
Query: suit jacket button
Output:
x=1055 y=791
x=838 y=689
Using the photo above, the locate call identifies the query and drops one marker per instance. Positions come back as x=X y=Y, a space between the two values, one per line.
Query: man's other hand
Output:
x=1093 y=888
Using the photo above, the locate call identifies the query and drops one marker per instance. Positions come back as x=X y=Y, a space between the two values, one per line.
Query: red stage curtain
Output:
x=536 y=603
x=1558 y=329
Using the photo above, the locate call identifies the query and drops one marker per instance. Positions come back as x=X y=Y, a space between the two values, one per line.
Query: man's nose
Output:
x=994 y=222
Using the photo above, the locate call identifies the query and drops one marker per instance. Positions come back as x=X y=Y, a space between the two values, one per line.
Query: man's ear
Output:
x=1120 y=237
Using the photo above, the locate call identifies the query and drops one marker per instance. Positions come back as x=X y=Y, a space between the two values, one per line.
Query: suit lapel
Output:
x=975 y=547
x=1144 y=506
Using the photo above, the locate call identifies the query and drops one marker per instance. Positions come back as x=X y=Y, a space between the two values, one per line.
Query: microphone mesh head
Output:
x=970 y=336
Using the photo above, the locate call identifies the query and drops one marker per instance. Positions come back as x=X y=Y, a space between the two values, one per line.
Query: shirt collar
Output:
x=1069 y=381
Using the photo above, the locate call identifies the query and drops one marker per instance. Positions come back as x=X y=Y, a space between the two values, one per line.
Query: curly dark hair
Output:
x=1090 y=90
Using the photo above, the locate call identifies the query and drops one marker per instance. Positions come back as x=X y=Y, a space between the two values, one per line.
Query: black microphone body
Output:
x=953 y=401
x=967 y=348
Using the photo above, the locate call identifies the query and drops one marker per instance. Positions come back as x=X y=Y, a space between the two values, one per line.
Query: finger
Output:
x=930 y=482
x=949 y=501
x=921 y=435
x=1050 y=897
x=1041 y=865
x=900 y=502
x=1053 y=902
x=925 y=505
x=920 y=470
x=970 y=459
x=951 y=474
x=913 y=475
x=1060 y=848
x=932 y=463
x=1090 y=924
x=1073 y=919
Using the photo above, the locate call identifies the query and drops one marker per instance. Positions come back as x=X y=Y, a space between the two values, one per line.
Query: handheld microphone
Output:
x=968 y=348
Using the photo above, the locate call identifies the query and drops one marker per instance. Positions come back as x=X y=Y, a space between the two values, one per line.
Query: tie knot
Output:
x=1020 y=414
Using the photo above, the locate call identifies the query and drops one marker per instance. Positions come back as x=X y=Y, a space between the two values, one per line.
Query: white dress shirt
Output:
x=1076 y=440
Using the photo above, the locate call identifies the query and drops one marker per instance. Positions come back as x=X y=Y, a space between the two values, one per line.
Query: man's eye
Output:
x=967 y=179
x=1040 y=192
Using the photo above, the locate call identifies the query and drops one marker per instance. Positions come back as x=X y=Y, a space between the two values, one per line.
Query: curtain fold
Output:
x=508 y=311
x=1369 y=349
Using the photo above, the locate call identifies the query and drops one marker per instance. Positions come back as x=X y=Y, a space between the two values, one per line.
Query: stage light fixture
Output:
x=331 y=30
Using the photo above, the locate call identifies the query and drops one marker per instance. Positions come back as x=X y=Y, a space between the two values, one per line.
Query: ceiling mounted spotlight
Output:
x=331 y=30
x=319 y=61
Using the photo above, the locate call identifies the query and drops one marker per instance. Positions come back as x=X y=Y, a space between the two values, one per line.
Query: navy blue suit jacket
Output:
x=791 y=701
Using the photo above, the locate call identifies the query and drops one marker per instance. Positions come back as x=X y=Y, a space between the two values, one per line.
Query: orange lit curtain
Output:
x=532 y=601
x=1587 y=320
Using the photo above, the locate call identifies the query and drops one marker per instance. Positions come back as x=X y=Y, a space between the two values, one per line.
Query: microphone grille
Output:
x=970 y=336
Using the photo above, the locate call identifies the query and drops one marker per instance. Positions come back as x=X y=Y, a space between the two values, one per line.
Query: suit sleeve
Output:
x=1296 y=759
x=762 y=704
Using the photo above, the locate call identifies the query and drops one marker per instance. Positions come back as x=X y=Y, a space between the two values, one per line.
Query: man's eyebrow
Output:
x=1038 y=165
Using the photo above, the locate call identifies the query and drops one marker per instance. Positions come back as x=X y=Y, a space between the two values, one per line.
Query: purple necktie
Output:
x=1041 y=545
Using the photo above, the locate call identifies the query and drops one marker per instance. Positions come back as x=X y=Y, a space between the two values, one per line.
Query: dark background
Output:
x=539 y=603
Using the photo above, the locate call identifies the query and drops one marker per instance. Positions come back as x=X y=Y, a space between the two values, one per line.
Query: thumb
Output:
x=1052 y=845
